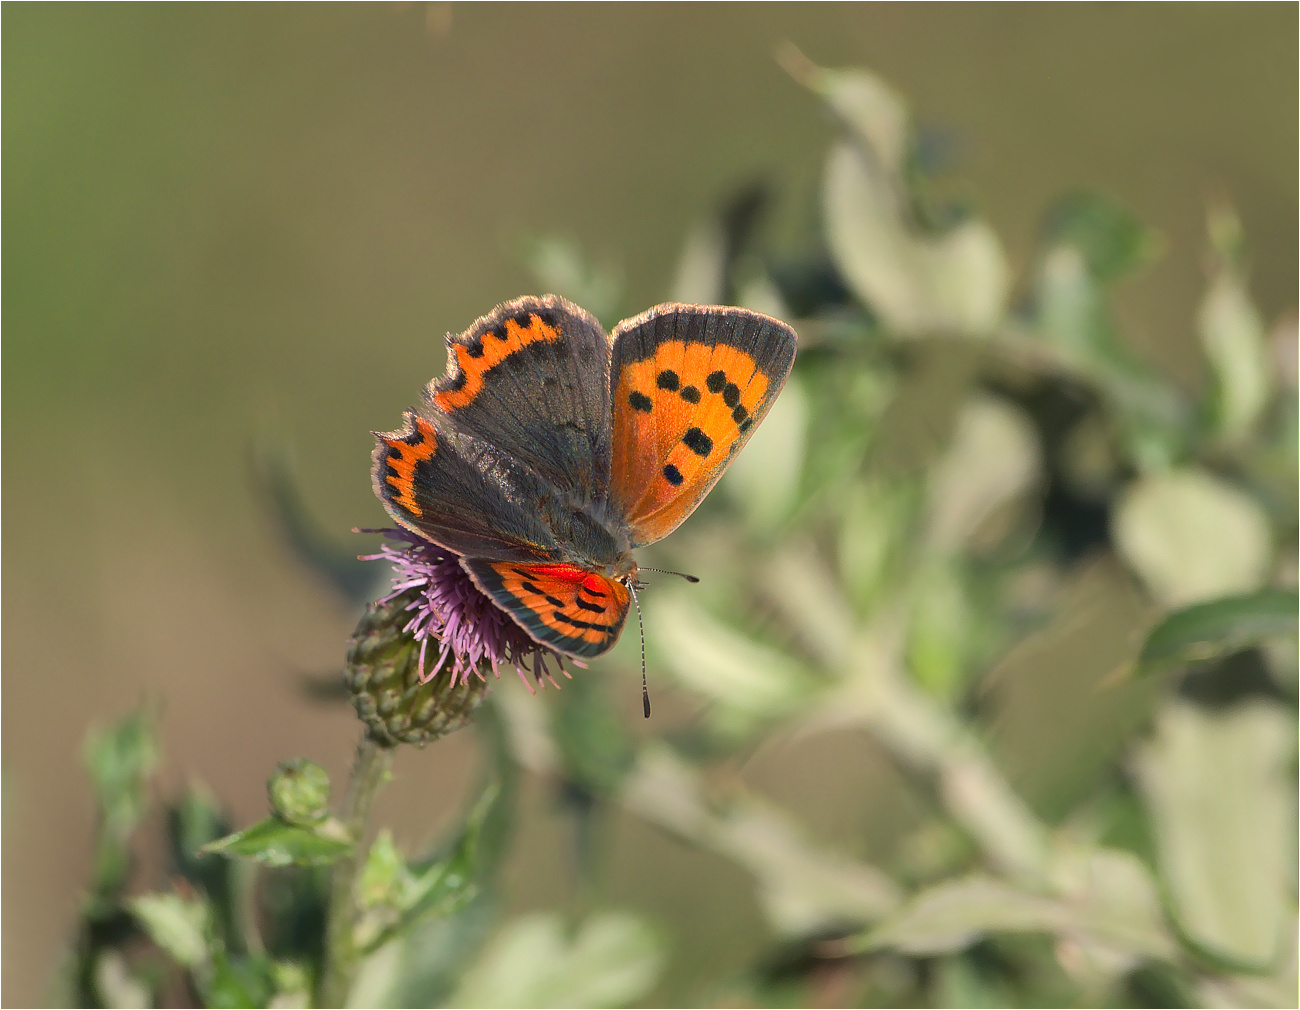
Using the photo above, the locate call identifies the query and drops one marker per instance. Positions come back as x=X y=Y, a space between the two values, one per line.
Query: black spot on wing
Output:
x=739 y=414
x=667 y=379
x=639 y=401
x=673 y=476
x=690 y=394
x=731 y=394
x=715 y=381
x=698 y=442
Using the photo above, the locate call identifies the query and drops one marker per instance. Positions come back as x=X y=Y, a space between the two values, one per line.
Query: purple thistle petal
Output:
x=467 y=626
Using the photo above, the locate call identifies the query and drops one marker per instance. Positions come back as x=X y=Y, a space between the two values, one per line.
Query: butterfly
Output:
x=550 y=451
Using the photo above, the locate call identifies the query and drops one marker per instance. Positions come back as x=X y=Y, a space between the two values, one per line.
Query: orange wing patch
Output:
x=562 y=606
x=476 y=357
x=405 y=452
x=679 y=418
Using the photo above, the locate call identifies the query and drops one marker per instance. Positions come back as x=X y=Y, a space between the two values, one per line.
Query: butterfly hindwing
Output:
x=529 y=379
x=572 y=610
x=459 y=492
x=688 y=385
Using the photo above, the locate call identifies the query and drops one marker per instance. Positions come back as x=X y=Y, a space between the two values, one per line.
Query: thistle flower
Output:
x=447 y=609
x=383 y=675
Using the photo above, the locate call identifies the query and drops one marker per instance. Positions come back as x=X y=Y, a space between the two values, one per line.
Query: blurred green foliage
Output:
x=961 y=458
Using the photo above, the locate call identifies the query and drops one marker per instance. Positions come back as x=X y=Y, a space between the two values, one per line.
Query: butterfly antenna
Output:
x=645 y=687
x=665 y=571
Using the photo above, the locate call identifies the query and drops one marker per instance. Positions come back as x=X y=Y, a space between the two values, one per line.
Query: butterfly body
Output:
x=550 y=451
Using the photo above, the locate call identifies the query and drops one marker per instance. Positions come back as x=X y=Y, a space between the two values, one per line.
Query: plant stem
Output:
x=369 y=773
x=874 y=692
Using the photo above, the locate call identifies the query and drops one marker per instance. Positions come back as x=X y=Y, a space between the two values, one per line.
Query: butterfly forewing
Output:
x=460 y=492
x=688 y=385
x=529 y=379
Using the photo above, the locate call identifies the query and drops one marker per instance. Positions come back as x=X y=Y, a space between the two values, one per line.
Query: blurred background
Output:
x=240 y=232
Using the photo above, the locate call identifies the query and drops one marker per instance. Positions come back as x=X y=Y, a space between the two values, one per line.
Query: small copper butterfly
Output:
x=550 y=450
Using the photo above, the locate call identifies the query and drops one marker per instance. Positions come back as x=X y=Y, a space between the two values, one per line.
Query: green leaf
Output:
x=384 y=874
x=396 y=896
x=749 y=681
x=1071 y=311
x=1111 y=240
x=1089 y=243
x=561 y=267
x=875 y=114
x=1192 y=536
x=957 y=982
x=875 y=516
x=239 y=982
x=1232 y=334
x=914 y=282
x=612 y=960
x=180 y=926
x=278 y=843
x=954 y=914
x=763 y=481
x=192 y=822
x=760 y=294
x=445 y=885
x=1222 y=804
x=117 y=985
x=1110 y=900
x=1105 y=899
x=121 y=761
x=1219 y=628
x=942 y=630
x=485 y=838
x=993 y=460
x=292 y=982
x=702 y=269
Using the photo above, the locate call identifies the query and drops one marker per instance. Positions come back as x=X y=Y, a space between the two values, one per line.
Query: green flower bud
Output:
x=383 y=674
x=299 y=791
